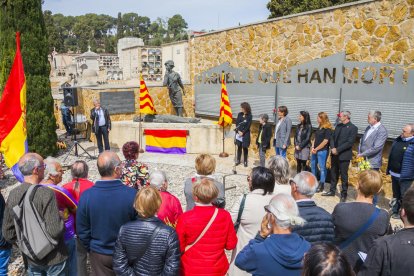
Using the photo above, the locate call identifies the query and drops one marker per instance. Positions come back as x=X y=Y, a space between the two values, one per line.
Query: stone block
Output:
x=351 y=47
x=400 y=12
x=370 y=25
x=393 y=34
x=381 y=31
x=401 y=45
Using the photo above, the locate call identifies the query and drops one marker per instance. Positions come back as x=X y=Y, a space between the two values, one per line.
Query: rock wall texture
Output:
x=372 y=31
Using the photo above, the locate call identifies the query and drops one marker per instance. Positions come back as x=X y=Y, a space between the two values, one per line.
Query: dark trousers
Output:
x=102 y=133
x=239 y=152
x=81 y=257
x=339 y=166
x=101 y=265
x=399 y=187
x=67 y=122
x=301 y=165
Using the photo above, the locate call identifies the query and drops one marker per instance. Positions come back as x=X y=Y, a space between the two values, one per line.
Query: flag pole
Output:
x=224 y=153
x=141 y=150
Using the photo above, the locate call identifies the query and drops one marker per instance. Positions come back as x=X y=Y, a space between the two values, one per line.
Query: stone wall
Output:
x=370 y=31
x=159 y=95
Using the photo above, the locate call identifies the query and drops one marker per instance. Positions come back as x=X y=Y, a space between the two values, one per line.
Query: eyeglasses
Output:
x=43 y=166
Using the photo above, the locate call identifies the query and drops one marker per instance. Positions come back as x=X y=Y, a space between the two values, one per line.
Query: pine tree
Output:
x=26 y=17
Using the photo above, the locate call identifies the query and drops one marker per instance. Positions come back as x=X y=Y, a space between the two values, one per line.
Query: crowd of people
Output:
x=127 y=223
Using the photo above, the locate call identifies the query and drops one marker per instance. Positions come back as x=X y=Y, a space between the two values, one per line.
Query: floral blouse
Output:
x=134 y=174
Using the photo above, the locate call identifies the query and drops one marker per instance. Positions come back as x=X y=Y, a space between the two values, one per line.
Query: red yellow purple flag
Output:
x=13 y=132
x=146 y=105
x=226 y=116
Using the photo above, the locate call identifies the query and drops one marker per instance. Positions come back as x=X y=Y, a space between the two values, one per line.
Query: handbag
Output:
x=361 y=230
x=241 y=208
x=213 y=217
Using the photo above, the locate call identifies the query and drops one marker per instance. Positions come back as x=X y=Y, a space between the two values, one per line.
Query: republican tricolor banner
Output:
x=13 y=131
x=166 y=141
x=146 y=105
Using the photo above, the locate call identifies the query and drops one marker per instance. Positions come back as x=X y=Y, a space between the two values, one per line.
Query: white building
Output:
x=177 y=52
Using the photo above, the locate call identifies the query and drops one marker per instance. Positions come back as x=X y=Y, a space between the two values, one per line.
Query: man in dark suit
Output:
x=341 y=144
x=263 y=139
x=101 y=125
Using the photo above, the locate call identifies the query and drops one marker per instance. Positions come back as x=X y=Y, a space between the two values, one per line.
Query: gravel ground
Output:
x=178 y=168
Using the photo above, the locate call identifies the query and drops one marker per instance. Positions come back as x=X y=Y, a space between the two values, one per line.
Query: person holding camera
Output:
x=242 y=139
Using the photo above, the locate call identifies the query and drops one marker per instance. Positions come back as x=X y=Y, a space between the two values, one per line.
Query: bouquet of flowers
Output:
x=363 y=164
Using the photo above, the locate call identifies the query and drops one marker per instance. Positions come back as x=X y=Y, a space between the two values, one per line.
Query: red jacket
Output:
x=84 y=184
x=207 y=256
x=170 y=209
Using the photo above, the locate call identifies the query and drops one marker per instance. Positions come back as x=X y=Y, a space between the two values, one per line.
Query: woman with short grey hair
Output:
x=281 y=169
x=276 y=250
x=170 y=208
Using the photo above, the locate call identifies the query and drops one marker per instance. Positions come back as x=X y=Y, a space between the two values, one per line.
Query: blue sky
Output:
x=205 y=14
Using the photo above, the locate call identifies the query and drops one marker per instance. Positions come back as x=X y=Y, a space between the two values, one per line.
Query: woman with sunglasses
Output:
x=261 y=185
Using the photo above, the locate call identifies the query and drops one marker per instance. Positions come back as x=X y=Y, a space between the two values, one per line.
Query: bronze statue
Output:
x=173 y=81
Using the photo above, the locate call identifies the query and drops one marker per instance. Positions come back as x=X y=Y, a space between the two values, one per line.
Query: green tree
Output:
x=176 y=25
x=26 y=16
x=279 y=8
x=119 y=27
x=55 y=36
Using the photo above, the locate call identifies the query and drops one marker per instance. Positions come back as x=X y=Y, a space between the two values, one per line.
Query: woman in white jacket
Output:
x=261 y=186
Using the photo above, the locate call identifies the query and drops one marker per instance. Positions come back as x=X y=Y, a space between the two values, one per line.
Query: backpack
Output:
x=32 y=237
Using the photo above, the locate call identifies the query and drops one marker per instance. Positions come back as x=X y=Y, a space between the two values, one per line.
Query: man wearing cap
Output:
x=173 y=81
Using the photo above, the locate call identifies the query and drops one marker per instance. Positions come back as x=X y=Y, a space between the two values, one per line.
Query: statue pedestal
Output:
x=204 y=137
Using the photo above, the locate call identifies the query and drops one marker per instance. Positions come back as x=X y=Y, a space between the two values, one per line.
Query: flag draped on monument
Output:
x=146 y=105
x=226 y=116
x=13 y=131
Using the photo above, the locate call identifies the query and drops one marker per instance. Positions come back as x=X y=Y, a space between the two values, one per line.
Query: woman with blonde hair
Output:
x=146 y=246
x=204 y=233
x=276 y=250
x=205 y=165
x=320 y=148
x=350 y=218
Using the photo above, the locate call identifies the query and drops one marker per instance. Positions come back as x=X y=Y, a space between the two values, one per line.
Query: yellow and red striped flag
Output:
x=226 y=116
x=13 y=132
x=146 y=105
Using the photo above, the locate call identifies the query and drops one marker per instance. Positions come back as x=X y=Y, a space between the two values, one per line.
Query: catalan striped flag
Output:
x=226 y=116
x=13 y=132
x=146 y=105
x=166 y=141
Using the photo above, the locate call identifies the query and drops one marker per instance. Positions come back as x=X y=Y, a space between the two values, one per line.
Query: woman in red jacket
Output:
x=204 y=233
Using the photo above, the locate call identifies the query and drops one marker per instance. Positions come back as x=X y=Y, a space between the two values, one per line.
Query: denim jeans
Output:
x=319 y=159
x=60 y=269
x=4 y=261
x=72 y=261
x=281 y=151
